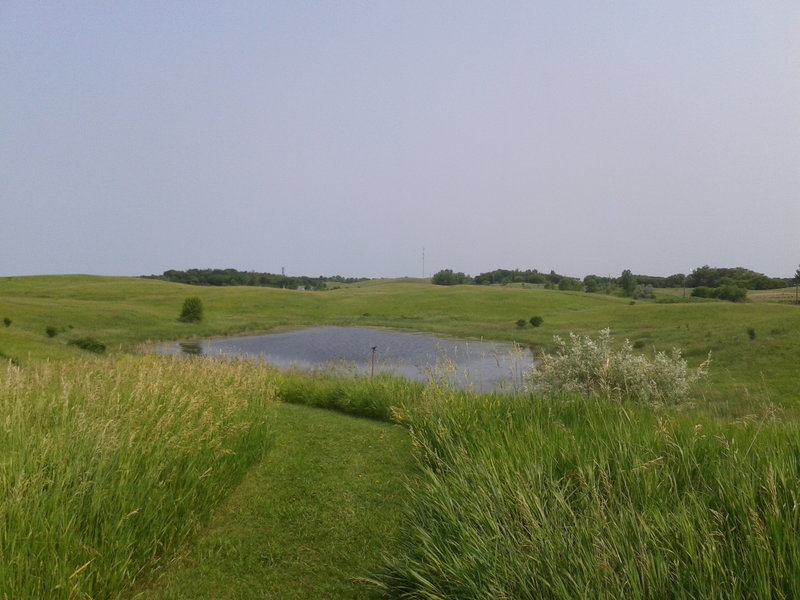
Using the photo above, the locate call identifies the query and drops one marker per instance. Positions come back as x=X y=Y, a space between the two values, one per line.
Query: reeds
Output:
x=585 y=498
x=106 y=467
x=372 y=397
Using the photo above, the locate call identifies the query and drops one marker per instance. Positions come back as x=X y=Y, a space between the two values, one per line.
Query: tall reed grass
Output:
x=372 y=397
x=576 y=497
x=106 y=467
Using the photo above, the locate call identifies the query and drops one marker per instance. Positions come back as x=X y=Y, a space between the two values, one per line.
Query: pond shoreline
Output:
x=418 y=356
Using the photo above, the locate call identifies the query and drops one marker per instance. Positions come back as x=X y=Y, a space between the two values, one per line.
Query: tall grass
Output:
x=107 y=466
x=372 y=397
x=585 y=498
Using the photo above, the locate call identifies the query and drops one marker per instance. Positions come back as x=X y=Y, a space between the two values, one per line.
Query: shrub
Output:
x=7 y=322
x=192 y=311
x=88 y=344
x=751 y=333
x=732 y=293
x=51 y=331
x=537 y=321
x=593 y=367
x=520 y=323
x=644 y=291
x=702 y=291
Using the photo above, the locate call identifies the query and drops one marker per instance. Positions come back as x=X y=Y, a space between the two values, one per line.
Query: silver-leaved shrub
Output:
x=593 y=367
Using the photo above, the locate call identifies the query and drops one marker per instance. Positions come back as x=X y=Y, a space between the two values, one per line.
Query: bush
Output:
x=7 y=322
x=732 y=293
x=88 y=344
x=703 y=291
x=537 y=321
x=192 y=311
x=593 y=367
x=644 y=291
x=51 y=331
x=521 y=323
x=751 y=333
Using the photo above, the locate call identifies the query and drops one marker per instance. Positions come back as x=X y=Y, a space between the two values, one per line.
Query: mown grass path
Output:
x=312 y=517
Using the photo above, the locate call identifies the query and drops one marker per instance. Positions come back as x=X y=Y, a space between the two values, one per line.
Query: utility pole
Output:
x=423 y=262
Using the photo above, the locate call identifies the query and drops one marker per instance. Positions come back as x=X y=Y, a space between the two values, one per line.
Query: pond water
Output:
x=482 y=366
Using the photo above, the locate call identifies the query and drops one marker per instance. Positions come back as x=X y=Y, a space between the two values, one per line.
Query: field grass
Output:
x=122 y=312
x=563 y=497
x=309 y=521
x=108 y=466
x=104 y=461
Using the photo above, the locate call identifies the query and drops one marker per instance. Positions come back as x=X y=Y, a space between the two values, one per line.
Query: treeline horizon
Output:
x=231 y=277
x=705 y=276
x=700 y=277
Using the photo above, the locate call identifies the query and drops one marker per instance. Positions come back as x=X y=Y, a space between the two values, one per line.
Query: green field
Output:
x=126 y=475
x=123 y=312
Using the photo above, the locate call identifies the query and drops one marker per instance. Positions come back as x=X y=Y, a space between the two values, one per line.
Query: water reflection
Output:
x=482 y=366
x=194 y=348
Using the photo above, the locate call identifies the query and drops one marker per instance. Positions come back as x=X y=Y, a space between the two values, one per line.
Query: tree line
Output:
x=709 y=282
x=228 y=277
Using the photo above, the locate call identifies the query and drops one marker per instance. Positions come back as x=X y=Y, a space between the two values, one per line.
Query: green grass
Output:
x=309 y=521
x=585 y=498
x=517 y=497
x=107 y=467
x=122 y=312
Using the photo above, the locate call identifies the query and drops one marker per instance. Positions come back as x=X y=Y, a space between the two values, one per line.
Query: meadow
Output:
x=753 y=344
x=127 y=469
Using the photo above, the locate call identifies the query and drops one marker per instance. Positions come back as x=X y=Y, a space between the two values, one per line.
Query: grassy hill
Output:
x=754 y=345
x=123 y=459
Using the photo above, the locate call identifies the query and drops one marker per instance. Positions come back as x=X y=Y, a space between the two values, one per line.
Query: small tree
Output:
x=6 y=321
x=537 y=321
x=521 y=323
x=192 y=311
x=627 y=282
x=796 y=284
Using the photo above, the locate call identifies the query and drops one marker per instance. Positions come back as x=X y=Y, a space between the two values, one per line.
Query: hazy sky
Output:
x=343 y=137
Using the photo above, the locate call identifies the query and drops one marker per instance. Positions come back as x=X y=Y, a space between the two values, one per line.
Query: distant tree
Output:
x=192 y=311
x=448 y=277
x=521 y=323
x=627 y=282
x=591 y=284
x=7 y=322
x=537 y=321
x=796 y=284
x=568 y=284
x=675 y=281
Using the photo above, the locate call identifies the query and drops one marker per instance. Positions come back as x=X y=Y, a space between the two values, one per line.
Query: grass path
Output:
x=312 y=517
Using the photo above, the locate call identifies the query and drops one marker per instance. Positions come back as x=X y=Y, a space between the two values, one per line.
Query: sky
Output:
x=329 y=138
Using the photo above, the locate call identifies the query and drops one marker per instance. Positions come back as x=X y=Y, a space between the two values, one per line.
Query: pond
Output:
x=482 y=366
